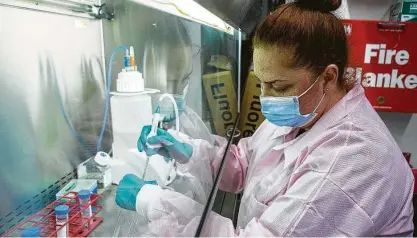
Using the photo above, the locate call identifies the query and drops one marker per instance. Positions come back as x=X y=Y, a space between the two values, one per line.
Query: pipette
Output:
x=155 y=121
x=157 y=118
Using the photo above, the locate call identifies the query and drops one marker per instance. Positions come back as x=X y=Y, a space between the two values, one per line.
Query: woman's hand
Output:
x=128 y=189
x=167 y=145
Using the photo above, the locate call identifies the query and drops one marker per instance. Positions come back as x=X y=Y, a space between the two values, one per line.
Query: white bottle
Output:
x=131 y=109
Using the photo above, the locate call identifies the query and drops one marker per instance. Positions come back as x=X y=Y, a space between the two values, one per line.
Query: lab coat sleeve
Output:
x=313 y=206
x=206 y=159
x=172 y=214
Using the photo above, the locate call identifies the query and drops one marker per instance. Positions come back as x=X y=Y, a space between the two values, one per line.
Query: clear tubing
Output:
x=177 y=127
x=177 y=118
x=177 y=115
x=106 y=108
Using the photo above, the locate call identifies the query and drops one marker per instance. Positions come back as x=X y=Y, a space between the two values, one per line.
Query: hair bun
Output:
x=321 y=5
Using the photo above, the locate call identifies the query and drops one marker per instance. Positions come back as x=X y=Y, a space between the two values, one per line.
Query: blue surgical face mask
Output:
x=285 y=111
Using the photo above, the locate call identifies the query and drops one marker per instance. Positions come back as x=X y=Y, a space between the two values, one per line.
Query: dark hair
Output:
x=307 y=27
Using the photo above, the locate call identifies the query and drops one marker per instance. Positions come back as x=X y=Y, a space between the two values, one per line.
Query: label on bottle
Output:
x=63 y=231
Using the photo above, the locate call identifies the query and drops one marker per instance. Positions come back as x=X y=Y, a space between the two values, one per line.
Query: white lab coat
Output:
x=346 y=176
x=194 y=187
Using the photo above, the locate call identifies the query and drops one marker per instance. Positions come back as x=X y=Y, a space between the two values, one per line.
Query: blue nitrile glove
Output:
x=128 y=189
x=170 y=147
x=142 y=145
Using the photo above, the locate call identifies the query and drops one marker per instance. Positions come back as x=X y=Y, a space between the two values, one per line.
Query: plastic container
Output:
x=77 y=185
x=84 y=200
x=129 y=114
x=46 y=219
x=61 y=214
x=31 y=232
x=97 y=168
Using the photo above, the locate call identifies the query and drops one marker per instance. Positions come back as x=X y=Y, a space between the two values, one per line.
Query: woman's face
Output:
x=272 y=68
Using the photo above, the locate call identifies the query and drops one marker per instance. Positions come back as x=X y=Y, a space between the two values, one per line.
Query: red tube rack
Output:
x=77 y=225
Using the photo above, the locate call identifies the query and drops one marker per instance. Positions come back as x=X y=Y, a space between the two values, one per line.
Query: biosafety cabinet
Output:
x=60 y=62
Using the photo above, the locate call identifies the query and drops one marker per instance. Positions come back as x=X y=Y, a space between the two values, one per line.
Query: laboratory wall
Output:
x=403 y=126
x=51 y=105
x=370 y=9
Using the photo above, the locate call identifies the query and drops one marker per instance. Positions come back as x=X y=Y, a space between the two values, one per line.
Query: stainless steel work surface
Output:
x=117 y=221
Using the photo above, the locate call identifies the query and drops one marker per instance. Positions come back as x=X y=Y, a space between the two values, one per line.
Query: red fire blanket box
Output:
x=383 y=58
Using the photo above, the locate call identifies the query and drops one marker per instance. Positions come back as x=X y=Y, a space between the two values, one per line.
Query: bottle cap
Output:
x=84 y=194
x=61 y=210
x=130 y=82
x=102 y=159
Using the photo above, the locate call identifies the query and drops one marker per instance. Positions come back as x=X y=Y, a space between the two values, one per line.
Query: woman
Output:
x=322 y=164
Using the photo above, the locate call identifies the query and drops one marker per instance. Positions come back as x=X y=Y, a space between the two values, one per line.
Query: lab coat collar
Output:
x=269 y=131
x=334 y=115
x=281 y=131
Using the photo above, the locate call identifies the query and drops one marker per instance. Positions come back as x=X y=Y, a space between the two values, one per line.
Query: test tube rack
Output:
x=77 y=225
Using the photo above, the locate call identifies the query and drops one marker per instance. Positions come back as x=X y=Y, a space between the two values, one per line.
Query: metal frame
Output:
x=212 y=196
x=73 y=8
x=239 y=68
x=35 y=204
x=191 y=10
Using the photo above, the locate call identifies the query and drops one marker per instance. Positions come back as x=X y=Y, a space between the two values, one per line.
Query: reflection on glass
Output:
x=50 y=102
x=52 y=107
x=195 y=64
